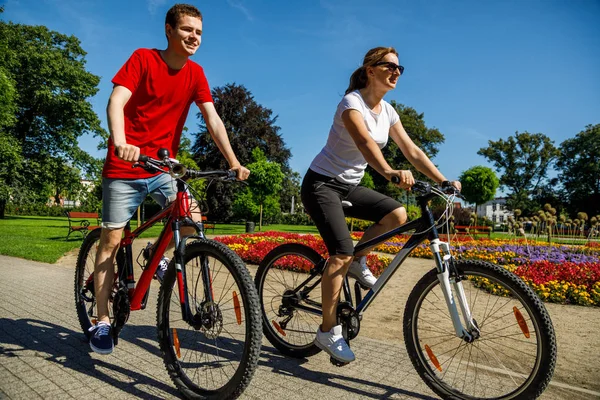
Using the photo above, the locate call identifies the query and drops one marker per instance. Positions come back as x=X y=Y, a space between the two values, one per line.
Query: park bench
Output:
x=207 y=224
x=473 y=230
x=82 y=222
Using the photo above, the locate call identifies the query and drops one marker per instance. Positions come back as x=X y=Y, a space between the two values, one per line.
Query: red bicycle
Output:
x=208 y=313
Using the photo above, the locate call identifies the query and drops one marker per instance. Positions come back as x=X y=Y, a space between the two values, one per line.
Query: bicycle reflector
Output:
x=236 y=307
x=176 y=343
x=278 y=327
x=521 y=321
x=433 y=358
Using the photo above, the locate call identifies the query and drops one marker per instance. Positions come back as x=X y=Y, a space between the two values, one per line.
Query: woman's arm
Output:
x=355 y=124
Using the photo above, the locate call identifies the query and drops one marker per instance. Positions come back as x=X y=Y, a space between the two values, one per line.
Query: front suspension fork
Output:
x=453 y=291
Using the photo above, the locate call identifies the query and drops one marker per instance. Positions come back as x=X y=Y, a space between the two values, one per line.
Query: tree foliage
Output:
x=50 y=106
x=249 y=126
x=523 y=160
x=427 y=139
x=479 y=184
x=579 y=166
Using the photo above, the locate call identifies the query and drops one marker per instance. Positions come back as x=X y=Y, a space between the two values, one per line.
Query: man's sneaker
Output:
x=334 y=344
x=360 y=271
x=101 y=340
x=162 y=268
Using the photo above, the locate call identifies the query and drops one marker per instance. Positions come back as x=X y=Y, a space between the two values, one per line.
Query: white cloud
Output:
x=242 y=8
x=154 y=5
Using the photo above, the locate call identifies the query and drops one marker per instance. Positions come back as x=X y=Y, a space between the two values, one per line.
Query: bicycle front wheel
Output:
x=215 y=354
x=291 y=314
x=513 y=356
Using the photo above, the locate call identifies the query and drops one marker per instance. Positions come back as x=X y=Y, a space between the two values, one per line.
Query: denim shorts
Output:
x=122 y=197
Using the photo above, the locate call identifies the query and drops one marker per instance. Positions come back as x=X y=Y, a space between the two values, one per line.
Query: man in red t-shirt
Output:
x=146 y=111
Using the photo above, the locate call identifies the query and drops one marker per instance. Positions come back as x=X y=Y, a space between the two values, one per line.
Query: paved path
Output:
x=44 y=354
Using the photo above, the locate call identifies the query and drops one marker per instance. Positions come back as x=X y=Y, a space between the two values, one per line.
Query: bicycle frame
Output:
x=177 y=214
x=425 y=229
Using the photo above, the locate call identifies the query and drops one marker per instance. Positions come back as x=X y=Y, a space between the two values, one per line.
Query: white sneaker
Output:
x=334 y=344
x=162 y=268
x=360 y=271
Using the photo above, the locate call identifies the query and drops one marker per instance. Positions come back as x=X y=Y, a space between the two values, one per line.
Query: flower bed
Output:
x=558 y=273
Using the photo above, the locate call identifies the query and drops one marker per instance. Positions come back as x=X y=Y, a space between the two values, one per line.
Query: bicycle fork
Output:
x=453 y=291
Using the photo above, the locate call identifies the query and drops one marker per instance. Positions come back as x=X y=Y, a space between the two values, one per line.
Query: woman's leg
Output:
x=392 y=220
x=331 y=287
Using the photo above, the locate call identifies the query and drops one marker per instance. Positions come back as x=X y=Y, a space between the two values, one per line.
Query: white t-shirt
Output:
x=340 y=157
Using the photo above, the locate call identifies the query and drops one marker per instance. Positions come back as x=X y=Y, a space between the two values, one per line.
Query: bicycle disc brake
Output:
x=121 y=310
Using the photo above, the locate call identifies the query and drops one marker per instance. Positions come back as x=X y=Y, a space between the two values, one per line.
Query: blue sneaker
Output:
x=101 y=340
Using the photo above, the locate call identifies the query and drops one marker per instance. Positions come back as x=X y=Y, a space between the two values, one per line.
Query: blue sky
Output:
x=479 y=70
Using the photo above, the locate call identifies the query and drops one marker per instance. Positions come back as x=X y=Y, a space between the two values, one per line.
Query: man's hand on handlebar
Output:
x=242 y=172
x=127 y=152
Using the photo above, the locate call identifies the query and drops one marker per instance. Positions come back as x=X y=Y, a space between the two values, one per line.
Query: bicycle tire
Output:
x=176 y=335
x=85 y=301
x=278 y=280
x=519 y=375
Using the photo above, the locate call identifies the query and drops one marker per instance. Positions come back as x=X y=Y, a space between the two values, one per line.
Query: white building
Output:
x=495 y=210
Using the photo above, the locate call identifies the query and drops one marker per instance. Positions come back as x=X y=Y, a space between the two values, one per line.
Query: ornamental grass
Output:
x=565 y=274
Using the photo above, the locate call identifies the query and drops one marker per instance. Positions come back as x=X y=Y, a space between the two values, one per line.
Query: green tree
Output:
x=523 y=160
x=264 y=181
x=290 y=189
x=47 y=70
x=479 y=185
x=249 y=126
x=427 y=139
x=579 y=171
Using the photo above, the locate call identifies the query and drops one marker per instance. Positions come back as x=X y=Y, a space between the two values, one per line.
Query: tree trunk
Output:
x=260 y=219
x=2 y=208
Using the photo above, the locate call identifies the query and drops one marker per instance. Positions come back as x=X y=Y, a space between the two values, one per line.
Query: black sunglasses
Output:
x=390 y=66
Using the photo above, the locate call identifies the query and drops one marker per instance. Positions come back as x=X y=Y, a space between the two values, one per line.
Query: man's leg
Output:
x=104 y=272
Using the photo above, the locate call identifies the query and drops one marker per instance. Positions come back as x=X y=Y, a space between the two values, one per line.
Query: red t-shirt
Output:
x=156 y=111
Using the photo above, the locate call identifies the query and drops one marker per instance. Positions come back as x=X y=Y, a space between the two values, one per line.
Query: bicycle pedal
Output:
x=337 y=362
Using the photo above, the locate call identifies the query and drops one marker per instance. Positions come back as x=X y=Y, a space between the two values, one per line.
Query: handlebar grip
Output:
x=232 y=174
x=395 y=179
x=143 y=158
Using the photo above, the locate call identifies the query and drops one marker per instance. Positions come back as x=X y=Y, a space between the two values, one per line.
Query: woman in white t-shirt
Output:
x=361 y=127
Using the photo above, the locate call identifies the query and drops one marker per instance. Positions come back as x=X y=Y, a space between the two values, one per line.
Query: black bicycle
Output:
x=472 y=329
x=209 y=327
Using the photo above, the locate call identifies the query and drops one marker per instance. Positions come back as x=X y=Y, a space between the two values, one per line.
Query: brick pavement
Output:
x=44 y=354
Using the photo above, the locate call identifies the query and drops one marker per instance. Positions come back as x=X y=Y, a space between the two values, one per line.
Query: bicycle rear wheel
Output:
x=514 y=356
x=288 y=327
x=85 y=299
x=214 y=356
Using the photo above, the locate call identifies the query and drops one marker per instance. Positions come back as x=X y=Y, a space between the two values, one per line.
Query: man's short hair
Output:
x=181 y=10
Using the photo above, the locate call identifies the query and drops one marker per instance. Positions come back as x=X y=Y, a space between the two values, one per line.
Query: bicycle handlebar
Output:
x=423 y=188
x=178 y=171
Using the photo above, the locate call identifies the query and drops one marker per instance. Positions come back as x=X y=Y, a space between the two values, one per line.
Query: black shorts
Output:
x=322 y=197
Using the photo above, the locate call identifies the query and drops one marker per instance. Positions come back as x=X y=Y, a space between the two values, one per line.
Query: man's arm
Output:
x=116 y=124
x=219 y=135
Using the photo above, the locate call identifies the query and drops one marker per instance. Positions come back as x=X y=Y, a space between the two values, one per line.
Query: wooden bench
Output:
x=473 y=230
x=208 y=225
x=80 y=222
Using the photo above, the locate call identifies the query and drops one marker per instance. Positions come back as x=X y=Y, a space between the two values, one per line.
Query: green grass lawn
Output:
x=44 y=238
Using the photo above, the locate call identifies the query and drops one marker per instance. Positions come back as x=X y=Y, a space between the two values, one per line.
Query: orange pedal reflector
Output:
x=176 y=343
x=521 y=321
x=433 y=358
x=94 y=321
x=236 y=307
x=278 y=327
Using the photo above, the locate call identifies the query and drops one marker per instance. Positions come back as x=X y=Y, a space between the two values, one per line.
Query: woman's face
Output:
x=386 y=72
x=185 y=38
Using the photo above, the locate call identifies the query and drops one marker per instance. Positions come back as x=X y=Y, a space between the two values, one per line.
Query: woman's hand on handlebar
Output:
x=242 y=172
x=127 y=152
x=402 y=178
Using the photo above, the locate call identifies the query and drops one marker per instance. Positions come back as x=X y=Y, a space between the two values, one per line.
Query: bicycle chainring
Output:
x=348 y=318
x=121 y=310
